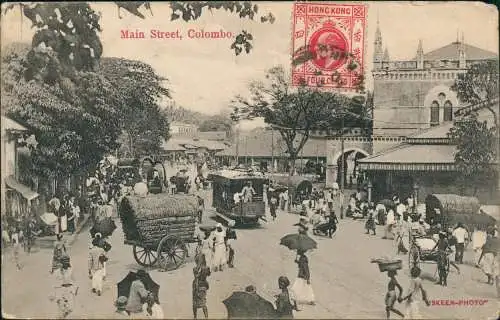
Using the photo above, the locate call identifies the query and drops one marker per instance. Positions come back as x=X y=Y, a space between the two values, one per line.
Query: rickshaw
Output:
x=181 y=181
x=451 y=210
x=229 y=182
x=154 y=172
x=128 y=170
x=299 y=187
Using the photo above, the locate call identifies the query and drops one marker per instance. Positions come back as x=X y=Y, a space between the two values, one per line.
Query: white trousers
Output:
x=98 y=279
x=219 y=257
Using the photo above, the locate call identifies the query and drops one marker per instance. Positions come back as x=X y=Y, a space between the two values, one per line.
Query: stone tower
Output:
x=420 y=55
x=378 y=54
x=386 y=57
x=461 y=54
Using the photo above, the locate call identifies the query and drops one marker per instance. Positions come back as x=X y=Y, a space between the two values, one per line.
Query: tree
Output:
x=295 y=113
x=475 y=150
x=75 y=121
x=140 y=89
x=480 y=84
x=219 y=122
x=181 y=114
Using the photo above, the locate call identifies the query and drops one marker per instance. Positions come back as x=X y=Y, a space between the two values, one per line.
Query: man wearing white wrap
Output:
x=219 y=248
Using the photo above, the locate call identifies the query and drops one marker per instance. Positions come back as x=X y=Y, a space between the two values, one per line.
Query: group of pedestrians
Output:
x=213 y=253
x=68 y=210
x=413 y=297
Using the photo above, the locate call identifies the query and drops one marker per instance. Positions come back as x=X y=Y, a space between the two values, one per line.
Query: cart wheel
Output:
x=413 y=257
x=144 y=257
x=172 y=252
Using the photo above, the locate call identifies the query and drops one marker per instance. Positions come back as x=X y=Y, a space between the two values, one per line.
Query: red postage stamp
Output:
x=328 y=43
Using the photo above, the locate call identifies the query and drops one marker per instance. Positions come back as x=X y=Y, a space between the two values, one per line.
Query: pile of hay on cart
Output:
x=457 y=209
x=146 y=220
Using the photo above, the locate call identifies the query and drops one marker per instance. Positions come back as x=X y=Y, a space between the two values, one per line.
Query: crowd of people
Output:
x=215 y=251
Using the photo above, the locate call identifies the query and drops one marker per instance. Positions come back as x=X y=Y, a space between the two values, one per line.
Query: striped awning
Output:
x=407 y=167
x=407 y=157
x=25 y=191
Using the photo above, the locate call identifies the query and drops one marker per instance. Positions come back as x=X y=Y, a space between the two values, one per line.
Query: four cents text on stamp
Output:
x=177 y=34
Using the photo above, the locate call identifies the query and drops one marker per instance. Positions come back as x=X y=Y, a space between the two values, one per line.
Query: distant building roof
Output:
x=175 y=144
x=212 y=135
x=178 y=123
x=450 y=52
x=262 y=144
x=171 y=145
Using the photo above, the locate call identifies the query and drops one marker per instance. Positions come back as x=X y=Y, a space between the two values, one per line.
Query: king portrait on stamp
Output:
x=330 y=38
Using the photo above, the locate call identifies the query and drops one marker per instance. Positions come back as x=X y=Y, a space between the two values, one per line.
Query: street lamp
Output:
x=370 y=186
x=415 y=196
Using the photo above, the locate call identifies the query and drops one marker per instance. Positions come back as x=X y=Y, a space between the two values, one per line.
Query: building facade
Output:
x=16 y=198
x=415 y=107
x=415 y=94
x=410 y=96
x=180 y=129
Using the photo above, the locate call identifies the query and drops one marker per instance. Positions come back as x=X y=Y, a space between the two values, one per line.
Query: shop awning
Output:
x=407 y=157
x=25 y=191
x=492 y=211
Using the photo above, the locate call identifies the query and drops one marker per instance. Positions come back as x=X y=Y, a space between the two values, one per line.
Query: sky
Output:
x=205 y=75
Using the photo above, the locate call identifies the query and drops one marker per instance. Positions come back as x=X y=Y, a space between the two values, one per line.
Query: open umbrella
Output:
x=105 y=226
x=245 y=305
x=124 y=285
x=298 y=241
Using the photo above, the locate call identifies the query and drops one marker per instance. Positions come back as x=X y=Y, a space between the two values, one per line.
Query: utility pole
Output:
x=237 y=143
x=246 y=151
x=342 y=178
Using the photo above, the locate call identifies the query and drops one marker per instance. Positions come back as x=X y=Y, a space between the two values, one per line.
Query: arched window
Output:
x=441 y=97
x=434 y=113
x=448 y=111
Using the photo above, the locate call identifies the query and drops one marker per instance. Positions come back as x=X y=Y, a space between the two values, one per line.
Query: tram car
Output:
x=228 y=200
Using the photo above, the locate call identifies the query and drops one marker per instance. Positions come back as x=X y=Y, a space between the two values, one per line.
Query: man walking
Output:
x=390 y=222
x=97 y=259
x=460 y=234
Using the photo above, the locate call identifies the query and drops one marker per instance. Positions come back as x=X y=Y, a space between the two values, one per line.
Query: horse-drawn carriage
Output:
x=299 y=188
x=134 y=170
x=181 y=181
x=159 y=227
x=448 y=210
x=230 y=182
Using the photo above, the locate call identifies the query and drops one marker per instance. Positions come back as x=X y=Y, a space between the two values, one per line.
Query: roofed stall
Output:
x=299 y=187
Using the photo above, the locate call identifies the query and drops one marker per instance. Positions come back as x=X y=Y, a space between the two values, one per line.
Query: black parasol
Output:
x=245 y=305
x=124 y=285
x=105 y=226
x=298 y=241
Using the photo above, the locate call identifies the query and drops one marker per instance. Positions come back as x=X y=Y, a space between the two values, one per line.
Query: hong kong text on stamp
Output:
x=328 y=44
